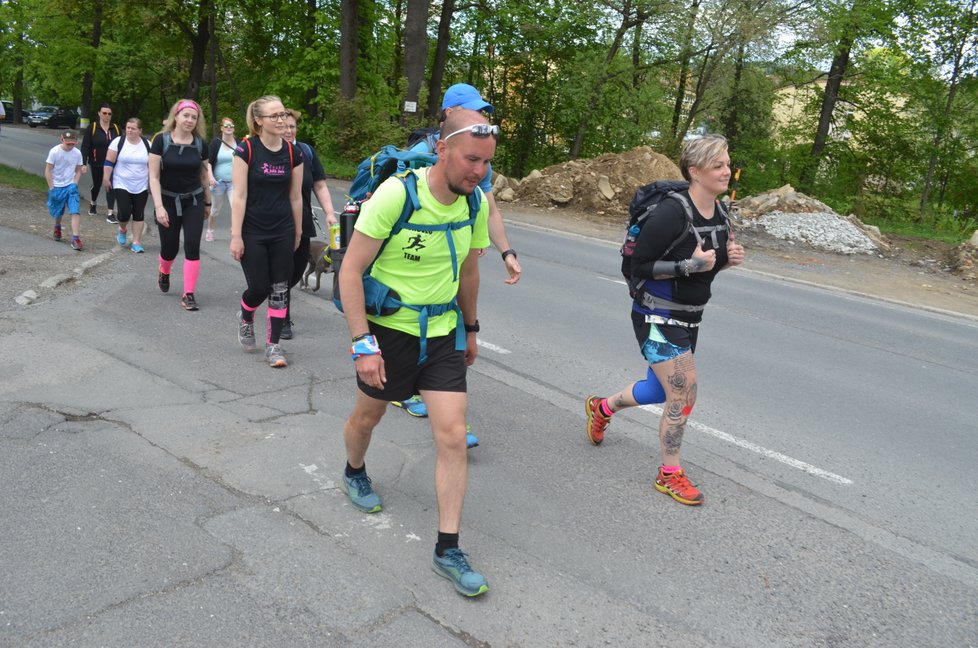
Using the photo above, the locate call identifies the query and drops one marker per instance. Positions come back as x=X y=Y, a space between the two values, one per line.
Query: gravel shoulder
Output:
x=911 y=273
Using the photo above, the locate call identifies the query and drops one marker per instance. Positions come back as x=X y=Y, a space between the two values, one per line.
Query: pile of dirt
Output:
x=605 y=184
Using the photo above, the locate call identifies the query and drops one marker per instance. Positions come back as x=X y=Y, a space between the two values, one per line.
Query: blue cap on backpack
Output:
x=464 y=95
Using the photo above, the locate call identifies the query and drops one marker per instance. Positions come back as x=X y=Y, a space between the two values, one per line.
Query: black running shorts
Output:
x=443 y=371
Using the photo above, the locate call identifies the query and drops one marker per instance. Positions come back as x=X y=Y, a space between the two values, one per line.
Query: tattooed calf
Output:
x=673 y=438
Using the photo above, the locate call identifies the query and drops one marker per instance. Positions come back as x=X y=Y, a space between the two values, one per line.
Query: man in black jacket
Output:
x=95 y=144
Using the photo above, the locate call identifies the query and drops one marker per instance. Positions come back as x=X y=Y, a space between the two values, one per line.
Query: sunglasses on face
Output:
x=477 y=130
x=227 y=125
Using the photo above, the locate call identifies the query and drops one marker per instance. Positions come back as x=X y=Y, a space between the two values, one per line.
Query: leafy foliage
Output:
x=566 y=78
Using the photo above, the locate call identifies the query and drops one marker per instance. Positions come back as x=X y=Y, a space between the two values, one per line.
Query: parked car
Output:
x=53 y=117
x=8 y=109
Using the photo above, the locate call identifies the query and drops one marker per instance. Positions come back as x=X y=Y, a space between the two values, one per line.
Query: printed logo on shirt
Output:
x=273 y=169
x=415 y=242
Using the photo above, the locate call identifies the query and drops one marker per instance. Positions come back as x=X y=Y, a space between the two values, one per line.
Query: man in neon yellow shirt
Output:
x=393 y=360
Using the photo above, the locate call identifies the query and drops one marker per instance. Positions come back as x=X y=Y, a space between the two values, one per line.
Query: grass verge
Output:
x=21 y=179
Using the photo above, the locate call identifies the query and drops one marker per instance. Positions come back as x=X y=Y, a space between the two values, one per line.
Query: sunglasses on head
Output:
x=477 y=130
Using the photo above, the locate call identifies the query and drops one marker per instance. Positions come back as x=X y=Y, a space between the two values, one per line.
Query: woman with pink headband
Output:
x=178 y=180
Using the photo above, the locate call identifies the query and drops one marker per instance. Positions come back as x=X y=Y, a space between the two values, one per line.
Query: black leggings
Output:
x=192 y=224
x=130 y=205
x=267 y=266
x=300 y=261
x=98 y=172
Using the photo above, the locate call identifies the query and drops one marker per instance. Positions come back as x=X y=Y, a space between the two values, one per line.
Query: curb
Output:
x=29 y=296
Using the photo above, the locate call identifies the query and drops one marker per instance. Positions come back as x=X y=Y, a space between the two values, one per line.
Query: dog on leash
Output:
x=319 y=262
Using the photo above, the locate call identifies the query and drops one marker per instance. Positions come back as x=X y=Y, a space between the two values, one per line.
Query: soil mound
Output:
x=604 y=184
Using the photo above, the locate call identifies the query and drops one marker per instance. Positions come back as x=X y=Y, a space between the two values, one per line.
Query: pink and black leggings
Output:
x=267 y=266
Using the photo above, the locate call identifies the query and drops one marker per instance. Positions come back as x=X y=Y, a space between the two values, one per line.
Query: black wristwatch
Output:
x=472 y=328
x=506 y=253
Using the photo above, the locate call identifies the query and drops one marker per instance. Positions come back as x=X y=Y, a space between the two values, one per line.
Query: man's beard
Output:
x=459 y=191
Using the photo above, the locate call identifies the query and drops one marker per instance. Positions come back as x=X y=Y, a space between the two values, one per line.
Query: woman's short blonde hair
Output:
x=701 y=152
x=254 y=112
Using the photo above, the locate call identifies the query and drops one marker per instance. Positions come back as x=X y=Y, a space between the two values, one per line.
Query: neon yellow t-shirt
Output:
x=418 y=265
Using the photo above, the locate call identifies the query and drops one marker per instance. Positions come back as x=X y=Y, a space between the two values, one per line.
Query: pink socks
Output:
x=191 y=270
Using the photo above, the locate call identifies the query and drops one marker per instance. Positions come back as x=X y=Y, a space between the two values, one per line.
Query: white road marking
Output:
x=492 y=347
x=617 y=281
x=761 y=450
x=569 y=404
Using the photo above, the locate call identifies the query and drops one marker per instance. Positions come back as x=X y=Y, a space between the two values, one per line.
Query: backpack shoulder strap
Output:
x=306 y=150
x=410 y=204
x=291 y=158
x=690 y=228
x=146 y=143
x=247 y=142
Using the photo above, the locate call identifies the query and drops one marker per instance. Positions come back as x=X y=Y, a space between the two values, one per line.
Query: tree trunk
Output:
x=441 y=59
x=415 y=56
x=212 y=64
x=836 y=73
x=687 y=55
x=18 y=89
x=731 y=126
x=941 y=131
x=627 y=22
x=199 y=41
x=89 y=76
x=702 y=80
x=637 y=56
x=312 y=107
x=396 y=69
x=349 y=47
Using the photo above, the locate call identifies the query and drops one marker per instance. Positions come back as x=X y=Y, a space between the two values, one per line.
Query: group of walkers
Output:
x=417 y=243
x=269 y=218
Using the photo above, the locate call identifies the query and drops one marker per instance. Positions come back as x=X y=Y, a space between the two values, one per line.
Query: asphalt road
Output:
x=161 y=487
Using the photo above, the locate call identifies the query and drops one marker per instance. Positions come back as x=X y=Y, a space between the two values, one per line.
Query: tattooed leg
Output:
x=678 y=377
x=621 y=400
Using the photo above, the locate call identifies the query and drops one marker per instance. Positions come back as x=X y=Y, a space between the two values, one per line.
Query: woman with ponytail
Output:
x=266 y=220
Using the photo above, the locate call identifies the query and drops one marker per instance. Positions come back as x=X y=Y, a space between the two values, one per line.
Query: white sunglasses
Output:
x=477 y=130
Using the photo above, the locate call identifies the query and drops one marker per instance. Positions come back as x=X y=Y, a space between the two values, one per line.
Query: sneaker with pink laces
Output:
x=596 y=421
x=677 y=486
